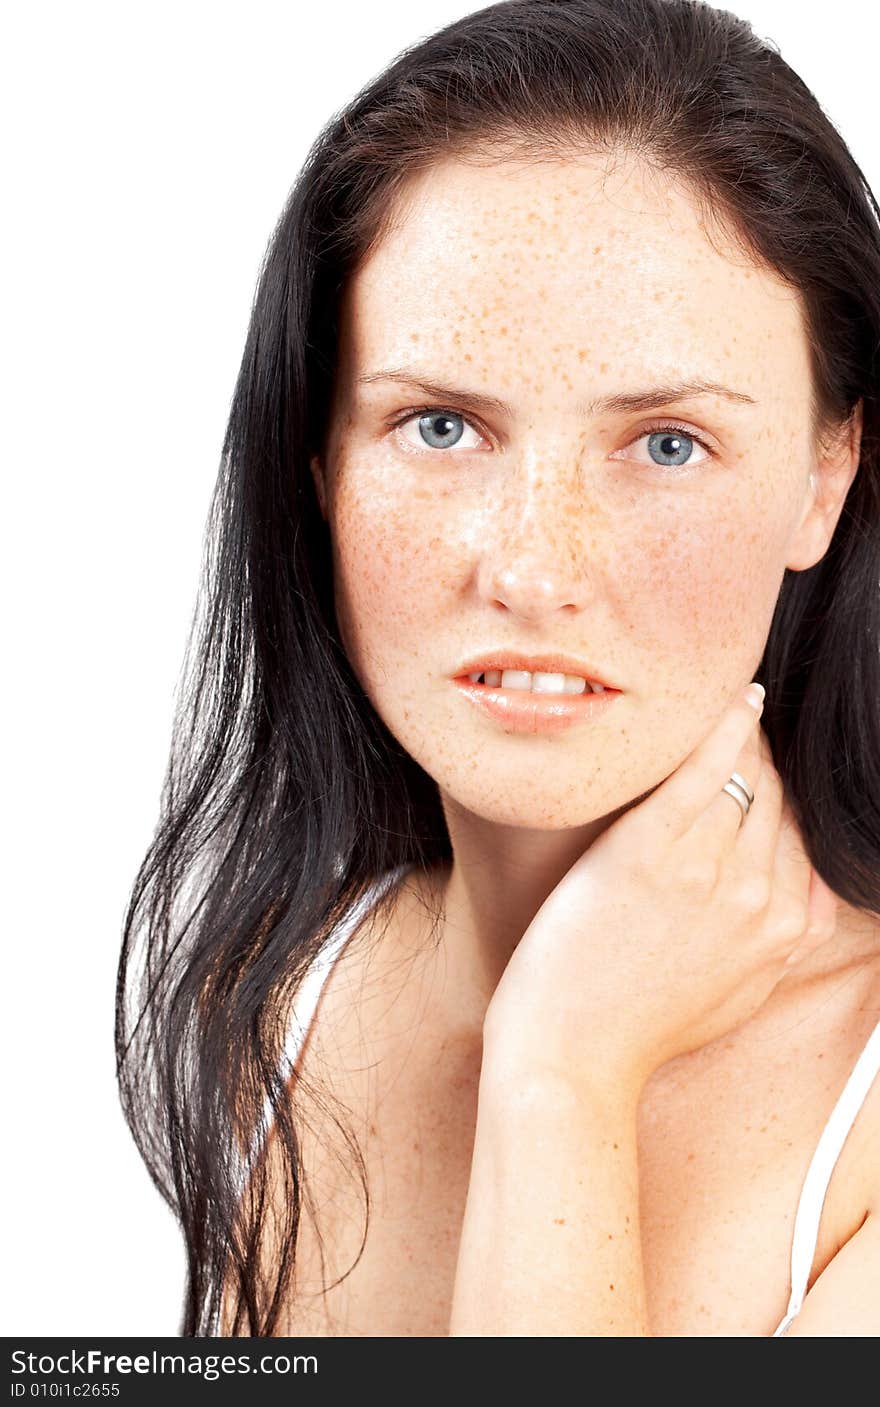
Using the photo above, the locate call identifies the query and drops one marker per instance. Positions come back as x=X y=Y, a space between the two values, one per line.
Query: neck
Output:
x=498 y=880
x=500 y=877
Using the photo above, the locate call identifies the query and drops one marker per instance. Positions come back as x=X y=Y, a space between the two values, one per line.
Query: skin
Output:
x=550 y=527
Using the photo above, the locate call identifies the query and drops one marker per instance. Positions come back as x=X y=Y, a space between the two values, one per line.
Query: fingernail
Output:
x=755 y=696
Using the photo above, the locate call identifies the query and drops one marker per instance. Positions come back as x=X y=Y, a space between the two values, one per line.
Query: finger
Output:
x=753 y=856
x=682 y=798
x=758 y=836
x=725 y=820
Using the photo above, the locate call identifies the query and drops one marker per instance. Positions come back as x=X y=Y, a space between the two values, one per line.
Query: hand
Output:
x=674 y=927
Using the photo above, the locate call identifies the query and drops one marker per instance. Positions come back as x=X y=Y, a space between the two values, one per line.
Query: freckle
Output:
x=611 y=1287
x=559 y=1221
x=763 y=1128
x=691 y=1157
x=610 y=1237
x=615 y=1145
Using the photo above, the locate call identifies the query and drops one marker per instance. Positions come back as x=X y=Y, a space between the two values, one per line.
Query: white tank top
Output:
x=815 y=1185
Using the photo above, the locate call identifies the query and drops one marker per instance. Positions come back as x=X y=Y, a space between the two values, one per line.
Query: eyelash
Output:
x=666 y=427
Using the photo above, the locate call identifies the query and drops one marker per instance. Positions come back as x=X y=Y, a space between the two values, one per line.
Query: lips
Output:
x=522 y=711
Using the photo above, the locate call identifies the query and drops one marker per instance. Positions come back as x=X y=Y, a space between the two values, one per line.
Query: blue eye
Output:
x=670 y=448
x=441 y=428
x=437 y=429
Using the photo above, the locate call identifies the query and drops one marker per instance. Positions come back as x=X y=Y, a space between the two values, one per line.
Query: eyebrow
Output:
x=645 y=399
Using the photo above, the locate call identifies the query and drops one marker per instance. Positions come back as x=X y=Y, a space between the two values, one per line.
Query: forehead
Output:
x=601 y=265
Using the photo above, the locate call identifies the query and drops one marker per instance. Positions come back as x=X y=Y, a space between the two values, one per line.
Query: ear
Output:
x=317 y=469
x=829 y=483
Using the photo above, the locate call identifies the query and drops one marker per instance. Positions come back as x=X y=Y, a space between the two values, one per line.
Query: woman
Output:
x=455 y=999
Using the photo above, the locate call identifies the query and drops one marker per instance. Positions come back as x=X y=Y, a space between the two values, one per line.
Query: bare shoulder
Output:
x=842 y=1298
x=353 y=1070
x=332 y=1090
x=375 y=968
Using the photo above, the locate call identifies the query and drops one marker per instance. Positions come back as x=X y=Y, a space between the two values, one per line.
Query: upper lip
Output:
x=534 y=664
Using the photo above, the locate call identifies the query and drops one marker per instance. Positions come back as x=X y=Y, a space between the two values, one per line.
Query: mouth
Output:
x=536 y=682
x=548 y=675
x=534 y=700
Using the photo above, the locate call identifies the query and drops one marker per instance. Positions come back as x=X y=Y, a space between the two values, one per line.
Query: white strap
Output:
x=834 y=1135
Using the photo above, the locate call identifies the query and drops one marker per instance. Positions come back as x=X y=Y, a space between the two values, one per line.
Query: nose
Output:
x=534 y=561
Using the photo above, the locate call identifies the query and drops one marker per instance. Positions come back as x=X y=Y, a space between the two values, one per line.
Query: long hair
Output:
x=286 y=798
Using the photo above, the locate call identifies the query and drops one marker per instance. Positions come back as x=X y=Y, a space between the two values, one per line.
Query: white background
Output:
x=148 y=152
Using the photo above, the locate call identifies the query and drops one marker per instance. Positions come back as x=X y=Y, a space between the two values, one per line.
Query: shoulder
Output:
x=843 y=1300
x=351 y=1074
x=372 y=966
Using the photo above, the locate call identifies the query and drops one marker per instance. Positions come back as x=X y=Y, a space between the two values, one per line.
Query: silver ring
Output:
x=741 y=792
x=743 y=785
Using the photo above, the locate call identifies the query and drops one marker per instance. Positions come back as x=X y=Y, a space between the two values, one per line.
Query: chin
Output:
x=533 y=809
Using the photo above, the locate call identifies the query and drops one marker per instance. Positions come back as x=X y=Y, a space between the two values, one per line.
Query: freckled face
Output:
x=557 y=525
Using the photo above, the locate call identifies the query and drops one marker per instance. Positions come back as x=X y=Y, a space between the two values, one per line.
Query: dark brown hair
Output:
x=286 y=796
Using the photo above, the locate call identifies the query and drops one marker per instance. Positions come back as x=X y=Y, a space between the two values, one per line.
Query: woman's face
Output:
x=553 y=522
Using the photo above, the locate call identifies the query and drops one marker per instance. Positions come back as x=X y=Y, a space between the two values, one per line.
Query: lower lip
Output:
x=521 y=711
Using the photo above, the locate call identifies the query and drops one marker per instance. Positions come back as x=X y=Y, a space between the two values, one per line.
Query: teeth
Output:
x=536 y=683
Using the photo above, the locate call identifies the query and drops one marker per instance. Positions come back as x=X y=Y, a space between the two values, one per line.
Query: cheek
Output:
x=696 y=588
x=391 y=569
x=686 y=581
